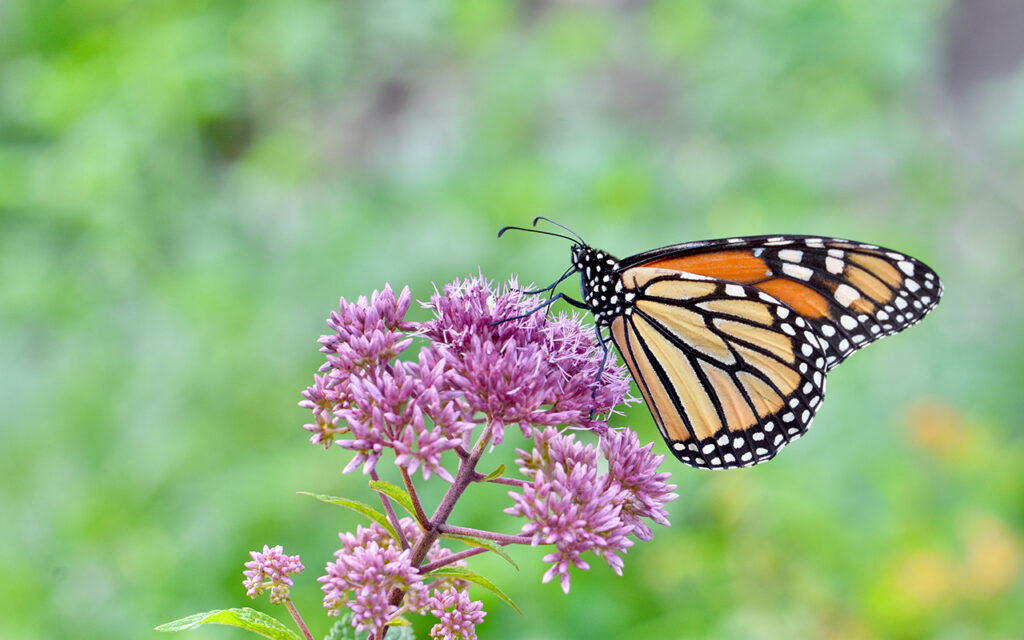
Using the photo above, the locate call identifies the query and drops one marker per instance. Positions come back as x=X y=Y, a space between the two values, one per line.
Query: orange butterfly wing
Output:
x=729 y=340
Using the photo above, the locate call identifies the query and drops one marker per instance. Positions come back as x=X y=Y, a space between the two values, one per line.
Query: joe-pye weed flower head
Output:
x=483 y=362
x=486 y=362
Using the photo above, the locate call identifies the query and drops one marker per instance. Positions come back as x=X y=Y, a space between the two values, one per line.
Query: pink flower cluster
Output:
x=572 y=505
x=476 y=368
x=379 y=402
x=457 y=615
x=534 y=370
x=270 y=569
x=369 y=565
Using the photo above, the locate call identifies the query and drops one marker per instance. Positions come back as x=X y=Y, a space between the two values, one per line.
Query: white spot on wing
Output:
x=797 y=271
x=734 y=290
x=845 y=294
x=791 y=255
x=834 y=265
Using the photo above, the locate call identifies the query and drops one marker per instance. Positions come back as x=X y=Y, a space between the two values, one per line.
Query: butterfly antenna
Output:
x=557 y=224
x=547 y=233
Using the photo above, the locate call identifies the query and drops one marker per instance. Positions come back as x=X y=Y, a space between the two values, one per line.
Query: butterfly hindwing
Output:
x=730 y=373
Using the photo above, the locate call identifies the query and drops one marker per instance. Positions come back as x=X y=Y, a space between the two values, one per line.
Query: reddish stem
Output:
x=421 y=516
x=502 y=538
x=298 y=619
x=453 y=558
x=463 y=478
x=508 y=481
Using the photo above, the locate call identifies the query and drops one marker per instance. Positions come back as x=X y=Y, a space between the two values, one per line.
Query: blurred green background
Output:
x=186 y=188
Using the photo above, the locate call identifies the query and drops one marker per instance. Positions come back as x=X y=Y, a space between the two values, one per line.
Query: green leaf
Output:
x=396 y=493
x=358 y=507
x=255 y=621
x=342 y=629
x=497 y=473
x=490 y=545
x=400 y=629
x=462 y=573
x=399 y=632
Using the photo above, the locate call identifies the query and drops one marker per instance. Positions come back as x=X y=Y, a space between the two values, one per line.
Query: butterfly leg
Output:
x=569 y=272
x=597 y=379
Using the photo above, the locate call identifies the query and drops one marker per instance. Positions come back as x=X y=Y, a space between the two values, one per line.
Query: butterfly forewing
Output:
x=850 y=293
x=730 y=373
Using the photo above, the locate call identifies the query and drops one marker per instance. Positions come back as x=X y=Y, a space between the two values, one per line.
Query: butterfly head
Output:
x=600 y=282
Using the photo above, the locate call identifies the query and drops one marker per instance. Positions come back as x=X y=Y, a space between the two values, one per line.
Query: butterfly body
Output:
x=729 y=340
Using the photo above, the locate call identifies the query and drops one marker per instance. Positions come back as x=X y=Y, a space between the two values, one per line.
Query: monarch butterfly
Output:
x=729 y=340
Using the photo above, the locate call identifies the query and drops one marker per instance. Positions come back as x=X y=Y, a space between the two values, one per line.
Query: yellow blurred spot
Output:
x=993 y=559
x=939 y=428
x=732 y=497
x=926 y=578
x=839 y=625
